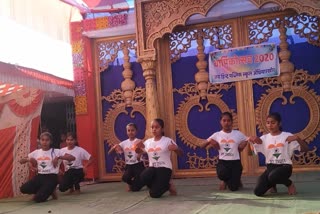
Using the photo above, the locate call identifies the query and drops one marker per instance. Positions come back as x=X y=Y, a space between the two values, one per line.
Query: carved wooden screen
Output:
x=197 y=103
x=121 y=95
x=295 y=94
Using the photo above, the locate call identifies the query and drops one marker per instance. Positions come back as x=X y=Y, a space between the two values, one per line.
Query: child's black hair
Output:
x=277 y=117
x=161 y=123
x=133 y=125
x=74 y=137
x=226 y=114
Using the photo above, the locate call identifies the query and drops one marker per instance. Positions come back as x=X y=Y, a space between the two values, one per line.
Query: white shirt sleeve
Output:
x=32 y=154
x=122 y=144
x=242 y=137
x=213 y=137
x=58 y=153
x=84 y=154
x=170 y=141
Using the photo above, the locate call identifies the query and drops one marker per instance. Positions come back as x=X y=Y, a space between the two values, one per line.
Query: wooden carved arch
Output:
x=155 y=18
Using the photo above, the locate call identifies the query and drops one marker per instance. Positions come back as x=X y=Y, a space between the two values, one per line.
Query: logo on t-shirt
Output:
x=277 y=150
x=227 y=144
x=154 y=152
x=43 y=164
x=43 y=161
x=130 y=151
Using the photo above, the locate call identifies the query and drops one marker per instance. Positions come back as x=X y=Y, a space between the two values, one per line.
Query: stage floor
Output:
x=200 y=195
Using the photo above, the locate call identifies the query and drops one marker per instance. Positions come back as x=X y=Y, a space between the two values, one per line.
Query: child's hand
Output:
x=179 y=152
x=215 y=144
x=292 y=138
x=33 y=169
x=118 y=149
x=23 y=160
x=172 y=146
x=33 y=162
x=55 y=162
x=85 y=170
x=139 y=150
x=254 y=139
x=139 y=144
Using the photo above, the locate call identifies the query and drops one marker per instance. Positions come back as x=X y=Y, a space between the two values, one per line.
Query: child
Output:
x=277 y=147
x=134 y=166
x=74 y=170
x=158 y=175
x=229 y=143
x=63 y=142
x=46 y=159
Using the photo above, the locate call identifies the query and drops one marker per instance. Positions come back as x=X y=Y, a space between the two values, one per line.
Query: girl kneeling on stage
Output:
x=74 y=170
x=134 y=166
x=229 y=143
x=158 y=175
x=278 y=148
x=47 y=161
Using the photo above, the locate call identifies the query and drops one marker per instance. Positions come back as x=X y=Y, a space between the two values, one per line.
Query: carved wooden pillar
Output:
x=286 y=67
x=152 y=105
x=127 y=85
x=202 y=76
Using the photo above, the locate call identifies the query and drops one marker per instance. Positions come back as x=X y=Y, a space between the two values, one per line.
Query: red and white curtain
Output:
x=19 y=123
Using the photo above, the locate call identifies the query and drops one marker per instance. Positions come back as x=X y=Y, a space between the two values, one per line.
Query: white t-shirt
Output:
x=158 y=152
x=129 y=149
x=229 y=144
x=79 y=153
x=44 y=160
x=276 y=149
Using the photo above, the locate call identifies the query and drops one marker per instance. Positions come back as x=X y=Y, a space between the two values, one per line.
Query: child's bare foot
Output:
x=54 y=195
x=273 y=190
x=172 y=189
x=222 y=186
x=128 y=189
x=77 y=192
x=292 y=189
x=71 y=191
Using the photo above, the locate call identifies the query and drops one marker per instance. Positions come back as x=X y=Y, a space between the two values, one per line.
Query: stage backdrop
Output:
x=20 y=117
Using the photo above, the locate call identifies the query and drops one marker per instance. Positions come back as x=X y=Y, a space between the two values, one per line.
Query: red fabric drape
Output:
x=20 y=118
x=26 y=110
x=6 y=161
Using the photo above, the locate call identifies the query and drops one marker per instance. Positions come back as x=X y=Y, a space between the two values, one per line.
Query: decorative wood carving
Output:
x=286 y=67
x=202 y=76
x=306 y=158
x=127 y=85
x=119 y=107
x=305 y=26
x=219 y=36
x=155 y=18
x=197 y=162
x=213 y=97
x=152 y=105
x=108 y=50
x=289 y=81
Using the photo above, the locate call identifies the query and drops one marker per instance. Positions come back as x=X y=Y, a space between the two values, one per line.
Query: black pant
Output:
x=157 y=179
x=230 y=172
x=42 y=185
x=131 y=176
x=274 y=174
x=71 y=179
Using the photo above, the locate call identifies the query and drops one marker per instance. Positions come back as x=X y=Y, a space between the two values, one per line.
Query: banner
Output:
x=249 y=62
